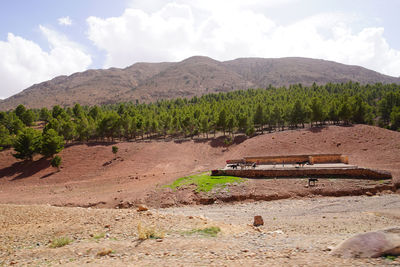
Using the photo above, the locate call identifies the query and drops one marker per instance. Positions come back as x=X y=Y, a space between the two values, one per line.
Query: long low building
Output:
x=299 y=166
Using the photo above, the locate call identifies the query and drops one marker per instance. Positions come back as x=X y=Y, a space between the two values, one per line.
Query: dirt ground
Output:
x=296 y=232
x=91 y=177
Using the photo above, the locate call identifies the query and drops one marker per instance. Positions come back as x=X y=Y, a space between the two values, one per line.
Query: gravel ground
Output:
x=296 y=232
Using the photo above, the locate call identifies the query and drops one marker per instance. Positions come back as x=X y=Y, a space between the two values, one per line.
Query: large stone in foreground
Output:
x=370 y=245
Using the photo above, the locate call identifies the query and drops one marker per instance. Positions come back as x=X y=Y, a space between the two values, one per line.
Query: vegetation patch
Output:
x=60 y=242
x=208 y=232
x=99 y=236
x=149 y=232
x=205 y=182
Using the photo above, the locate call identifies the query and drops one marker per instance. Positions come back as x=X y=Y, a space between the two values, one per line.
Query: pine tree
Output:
x=52 y=143
x=27 y=144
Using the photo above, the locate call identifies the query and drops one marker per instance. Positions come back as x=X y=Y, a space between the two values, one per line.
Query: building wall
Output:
x=360 y=173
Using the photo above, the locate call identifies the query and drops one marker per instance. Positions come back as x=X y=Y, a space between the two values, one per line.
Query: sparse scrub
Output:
x=60 y=242
x=208 y=231
x=99 y=236
x=149 y=232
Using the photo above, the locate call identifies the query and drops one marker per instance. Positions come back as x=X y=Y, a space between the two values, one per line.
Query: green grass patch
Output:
x=60 y=242
x=390 y=257
x=99 y=236
x=208 y=232
x=205 y=182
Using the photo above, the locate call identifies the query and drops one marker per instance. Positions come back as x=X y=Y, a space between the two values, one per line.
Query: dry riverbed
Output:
x=295 y=232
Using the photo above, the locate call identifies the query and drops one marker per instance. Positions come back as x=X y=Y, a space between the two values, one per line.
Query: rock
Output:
x=142 y=208
x=258 y=220
x=370 y=245
x=369 y=194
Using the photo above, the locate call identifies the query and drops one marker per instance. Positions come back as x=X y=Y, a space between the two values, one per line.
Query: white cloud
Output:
x=24 y=62
x=65 y=21
x=184 y=28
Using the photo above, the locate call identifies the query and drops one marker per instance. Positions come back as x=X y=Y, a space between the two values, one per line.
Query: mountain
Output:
x=193 y=76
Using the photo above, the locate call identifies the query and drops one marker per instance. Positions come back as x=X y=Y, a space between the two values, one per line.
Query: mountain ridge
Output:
x=190 y=77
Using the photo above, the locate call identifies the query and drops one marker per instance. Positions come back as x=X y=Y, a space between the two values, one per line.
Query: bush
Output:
x=60 y=242
x=146 y=232
x=114 y=150
x=56 y=162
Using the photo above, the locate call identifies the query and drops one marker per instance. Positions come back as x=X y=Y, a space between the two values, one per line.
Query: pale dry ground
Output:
x=297 y=232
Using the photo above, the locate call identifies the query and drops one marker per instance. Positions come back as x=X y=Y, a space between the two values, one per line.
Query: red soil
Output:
x=90 y=176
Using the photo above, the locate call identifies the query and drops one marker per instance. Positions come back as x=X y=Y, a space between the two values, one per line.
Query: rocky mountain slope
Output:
x=193 y=76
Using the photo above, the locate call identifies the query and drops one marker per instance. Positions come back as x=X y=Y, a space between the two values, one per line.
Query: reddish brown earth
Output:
x=90 y=176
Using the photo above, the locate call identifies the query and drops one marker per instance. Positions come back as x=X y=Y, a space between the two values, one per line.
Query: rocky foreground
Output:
x=295 y=232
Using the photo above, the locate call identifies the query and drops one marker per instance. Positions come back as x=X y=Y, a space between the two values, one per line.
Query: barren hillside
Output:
x=193 y=76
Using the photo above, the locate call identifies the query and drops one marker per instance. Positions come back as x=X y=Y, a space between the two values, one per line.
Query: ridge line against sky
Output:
x=42 y=39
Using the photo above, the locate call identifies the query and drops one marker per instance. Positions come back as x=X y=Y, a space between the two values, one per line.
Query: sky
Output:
x=42 y=39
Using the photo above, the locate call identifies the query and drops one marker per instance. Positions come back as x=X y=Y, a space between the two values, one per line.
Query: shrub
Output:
x=60 y=242
x=114 y=150
x=146 y=232
x=56 y=162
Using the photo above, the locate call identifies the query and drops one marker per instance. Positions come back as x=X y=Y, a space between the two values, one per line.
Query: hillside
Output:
x=90 y=176
x=193 y=76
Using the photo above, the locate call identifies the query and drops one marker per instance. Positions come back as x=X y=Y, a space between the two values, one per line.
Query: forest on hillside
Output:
x=45 y=131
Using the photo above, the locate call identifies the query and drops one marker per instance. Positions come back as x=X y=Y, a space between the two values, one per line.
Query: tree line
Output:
x=238 y=112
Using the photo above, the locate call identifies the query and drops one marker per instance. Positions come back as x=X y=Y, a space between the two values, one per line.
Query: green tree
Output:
x=52 y=143
x=5 y=137
x=258 y=118
x=20 y=110
x=360 y=110
x=78 y=111
x=317 y=110
x=28 y=117
x=333 y=114
x=345 y=113
x=395 y=118
x=222 y=120
x=205 y=126
x=27 y=144
x=68 y=130
x=298 y=114
x=45 y=115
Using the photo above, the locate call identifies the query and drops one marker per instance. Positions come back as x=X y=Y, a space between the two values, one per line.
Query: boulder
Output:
x=370 y=245
x=142 y=208
x=258 y=220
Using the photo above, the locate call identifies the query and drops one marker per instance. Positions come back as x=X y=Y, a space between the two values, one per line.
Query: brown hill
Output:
x=190 y=77
x=90 y=176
